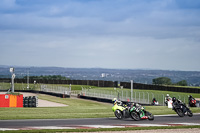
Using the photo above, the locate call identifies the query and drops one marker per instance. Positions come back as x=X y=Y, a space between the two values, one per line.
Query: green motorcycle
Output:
x=138 y=112
x=129 y=110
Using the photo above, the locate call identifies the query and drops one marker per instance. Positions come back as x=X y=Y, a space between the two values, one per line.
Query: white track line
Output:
x=185 y=123
x=146 y=125
x=102 y=126
x=6 y=129
x=52 y=127
x=97 y=126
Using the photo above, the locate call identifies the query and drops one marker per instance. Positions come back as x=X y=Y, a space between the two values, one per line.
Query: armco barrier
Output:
x=96 y=99
x=48 y=93
x=8 y=100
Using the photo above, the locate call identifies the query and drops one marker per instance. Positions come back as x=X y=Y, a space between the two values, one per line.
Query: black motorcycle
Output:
x=181 y=109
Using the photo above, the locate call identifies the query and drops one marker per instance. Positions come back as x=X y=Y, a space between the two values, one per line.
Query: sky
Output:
x=119 y=34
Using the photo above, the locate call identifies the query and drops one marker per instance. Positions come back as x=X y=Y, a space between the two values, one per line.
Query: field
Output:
x=79 y=108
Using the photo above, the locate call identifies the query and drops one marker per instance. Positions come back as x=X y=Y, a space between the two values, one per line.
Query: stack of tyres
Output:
x=34 y=101
x=31 y=101
x=25 y=101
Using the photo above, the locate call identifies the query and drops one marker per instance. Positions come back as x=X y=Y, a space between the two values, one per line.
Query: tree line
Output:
x=156 y=81
x=47 y=77
x=167 y=81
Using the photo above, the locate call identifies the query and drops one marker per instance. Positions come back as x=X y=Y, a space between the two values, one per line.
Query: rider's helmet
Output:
x=167 y=95
x=114 y=101
x=174 y=99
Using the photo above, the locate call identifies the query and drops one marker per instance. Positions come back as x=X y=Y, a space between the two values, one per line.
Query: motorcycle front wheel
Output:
x=149 y=115
x=135 y=116
x=189 y=113
x=180 y=112
x=118 y=114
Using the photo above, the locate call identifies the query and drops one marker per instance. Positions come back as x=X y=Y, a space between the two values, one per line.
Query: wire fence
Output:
x=41 y=87
x=56 y=89
x=5 y=86
x=142 y=97
x=19 y=86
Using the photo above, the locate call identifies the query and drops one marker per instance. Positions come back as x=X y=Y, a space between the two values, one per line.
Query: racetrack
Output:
x=28 y=124
x=168 y=120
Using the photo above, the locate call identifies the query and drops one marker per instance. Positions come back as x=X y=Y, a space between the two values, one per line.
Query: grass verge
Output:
x=101 y=129
x=77 y=108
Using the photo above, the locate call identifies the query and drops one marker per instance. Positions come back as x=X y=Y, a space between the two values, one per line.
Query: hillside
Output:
x=139 y=76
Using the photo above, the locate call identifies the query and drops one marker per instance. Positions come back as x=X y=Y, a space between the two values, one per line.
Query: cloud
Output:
x=7 y=4
x=114 y=33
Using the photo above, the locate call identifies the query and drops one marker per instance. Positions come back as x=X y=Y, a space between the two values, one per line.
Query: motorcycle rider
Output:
x=167 y=98
x=154 y=101
x=179 y=104
x=175 y=103
x=191 y=101
x=115 y=101
x=190 y=97
x=128 y=105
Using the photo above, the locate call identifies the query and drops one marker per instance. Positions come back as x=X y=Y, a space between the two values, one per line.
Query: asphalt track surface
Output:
x=96 y=121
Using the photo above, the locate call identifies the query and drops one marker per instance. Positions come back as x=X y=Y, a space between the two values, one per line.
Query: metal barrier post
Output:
x=135 y=97
x=139 y=97
x=131 y=90
x=163 y=99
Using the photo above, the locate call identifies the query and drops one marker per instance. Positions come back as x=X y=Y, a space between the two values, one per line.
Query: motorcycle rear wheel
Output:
x=135 y=116
x=118 y=114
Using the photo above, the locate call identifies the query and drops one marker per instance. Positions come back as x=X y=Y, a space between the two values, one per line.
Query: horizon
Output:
x=148 y=69
x=138 y=75
x=114 y=34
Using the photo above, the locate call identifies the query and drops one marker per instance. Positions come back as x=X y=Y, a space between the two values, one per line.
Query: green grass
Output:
x=171 y=93
x=77 y=108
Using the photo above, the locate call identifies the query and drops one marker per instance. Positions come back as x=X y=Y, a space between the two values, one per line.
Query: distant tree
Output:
x=182 y=83
x=162 y=81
